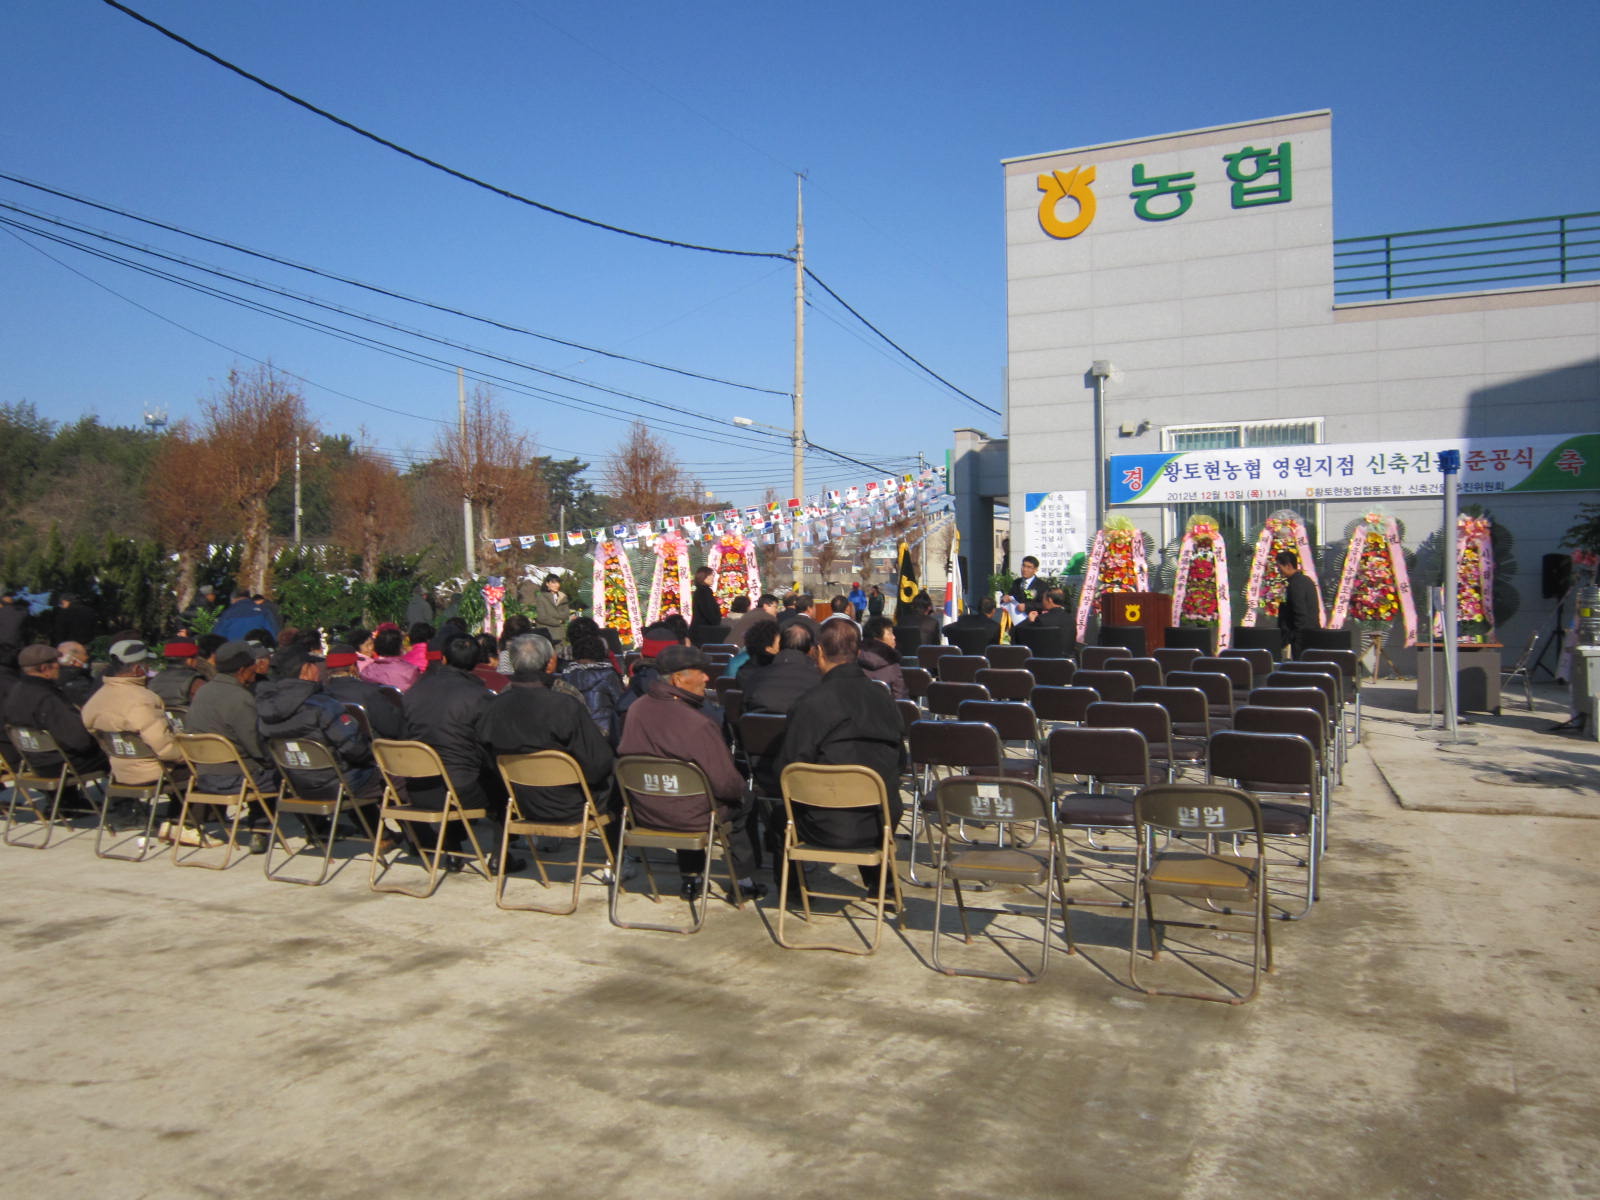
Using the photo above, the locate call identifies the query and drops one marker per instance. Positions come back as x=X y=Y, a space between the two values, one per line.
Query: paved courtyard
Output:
x=1429 y=1032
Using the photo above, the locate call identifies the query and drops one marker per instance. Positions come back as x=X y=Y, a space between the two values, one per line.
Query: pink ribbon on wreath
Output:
x=1476 y=532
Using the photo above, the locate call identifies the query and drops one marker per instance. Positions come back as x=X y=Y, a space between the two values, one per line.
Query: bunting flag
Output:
x=552 y=540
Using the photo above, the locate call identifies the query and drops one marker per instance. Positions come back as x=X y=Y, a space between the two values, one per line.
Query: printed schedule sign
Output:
x=1557 y=462
x=1056 y=526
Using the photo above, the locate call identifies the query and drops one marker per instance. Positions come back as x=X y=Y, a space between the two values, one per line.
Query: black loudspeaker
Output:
x=1192 y=637
x=1249 y=637
x=1332 y=639
x=1556 y=576
x=1131 y=637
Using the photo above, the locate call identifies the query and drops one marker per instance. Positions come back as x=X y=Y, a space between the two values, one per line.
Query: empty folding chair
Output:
x=961 y=668
x=546 y=769
x=213 y=753
x=1262 y=662
x=1190 y=716
x=917 y=682
x=1149 y=719
x=1350 y=669
x=1146 y=672
x=1218 y=691
x=1305 y=723
x=807 y=787
x=1111 y=684
x=945 y=699
x=1084 y=766
x=1095 y=658
x=1206 y=874
x=1061 y=705
x=1518 y=672
x=942 y=748
x=667 y=805
x=1007 y=657
x=1018 y=728
x=964 y=808
x=1175 y=658
x=1007 y=683
x=296 y=758
x=928 y=657
x=401 y=763
x=1055 y=672
x=723 y=684
x=1238 y=670
x=1325 y=678
x=1281 y=771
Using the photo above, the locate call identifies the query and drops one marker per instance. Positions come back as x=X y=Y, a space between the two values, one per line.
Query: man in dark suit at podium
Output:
x=1028 y=587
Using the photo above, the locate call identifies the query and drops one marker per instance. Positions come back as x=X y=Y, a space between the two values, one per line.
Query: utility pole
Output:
x=798 y=559
x=297 y=491
x=466 y=501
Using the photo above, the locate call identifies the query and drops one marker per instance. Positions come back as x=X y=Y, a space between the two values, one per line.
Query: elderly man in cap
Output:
x=669 y=721
x=76 y=681
x=124 y=704
x=226 y=706
x=177 y=682
x=37 y=703
x=293 y=704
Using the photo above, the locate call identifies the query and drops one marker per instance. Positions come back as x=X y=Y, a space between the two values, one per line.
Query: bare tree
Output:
x=183 y=502
x=371 y=507
x=644 y=481
x=250 y=429
x=492 y=466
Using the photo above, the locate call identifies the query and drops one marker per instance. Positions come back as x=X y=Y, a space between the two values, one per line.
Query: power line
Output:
x=428 y=162
x=815 y=278
x=383 y=291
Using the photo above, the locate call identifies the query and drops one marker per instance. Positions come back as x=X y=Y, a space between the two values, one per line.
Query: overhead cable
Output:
x=383 y=291
x=429 y=162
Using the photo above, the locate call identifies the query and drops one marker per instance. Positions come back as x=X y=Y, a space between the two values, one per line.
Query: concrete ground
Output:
x=1429 y=1031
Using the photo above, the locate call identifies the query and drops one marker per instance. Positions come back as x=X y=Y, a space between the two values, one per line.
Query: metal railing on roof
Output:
x=1463 y=258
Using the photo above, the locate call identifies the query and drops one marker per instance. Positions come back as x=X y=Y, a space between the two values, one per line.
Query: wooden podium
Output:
x=1149 y=611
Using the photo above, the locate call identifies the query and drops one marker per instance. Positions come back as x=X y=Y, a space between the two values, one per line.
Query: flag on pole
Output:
x=952 y=587
x=906 y=588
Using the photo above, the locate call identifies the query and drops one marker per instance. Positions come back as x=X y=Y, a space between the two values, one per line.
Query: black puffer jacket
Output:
x=442 y=709
x=775 y=687
x=300 y=709
x=38 y=704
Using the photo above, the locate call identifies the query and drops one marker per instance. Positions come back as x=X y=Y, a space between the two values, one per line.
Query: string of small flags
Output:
x=836 y=513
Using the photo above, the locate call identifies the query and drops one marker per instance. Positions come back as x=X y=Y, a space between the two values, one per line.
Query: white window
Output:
x=1248 y=517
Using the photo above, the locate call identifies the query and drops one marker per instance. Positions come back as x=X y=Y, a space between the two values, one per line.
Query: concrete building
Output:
x=1184 y=293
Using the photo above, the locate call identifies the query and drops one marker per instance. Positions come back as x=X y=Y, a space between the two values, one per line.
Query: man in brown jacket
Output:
x=668 y=722
x=124 y=704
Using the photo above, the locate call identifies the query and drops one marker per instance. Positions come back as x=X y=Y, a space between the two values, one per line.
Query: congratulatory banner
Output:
x=1557 y=462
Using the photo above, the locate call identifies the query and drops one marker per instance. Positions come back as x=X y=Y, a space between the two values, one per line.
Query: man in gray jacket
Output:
x=227 y=706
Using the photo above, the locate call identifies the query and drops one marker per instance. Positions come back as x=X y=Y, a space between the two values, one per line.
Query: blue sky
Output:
x=688 y=122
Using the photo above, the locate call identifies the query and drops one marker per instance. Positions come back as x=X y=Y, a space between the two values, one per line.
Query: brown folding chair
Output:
x=1303 y=722
x=1053 y=672
x=917 y=682
x=1281 y=772
x=1018 y=728
x=1190 y=716
x=130 y=747
x=1238 y=670
x=1325 y=678
x=835 y=787
x=1096 y=658
x=1175 y=658
x=1146 y=672
x=1083 y=766
x=1007 y=683
x=1349 y=665
x=961 y=668
x=1262 y=663
x=947 y=747
x=945 y=699
x=31 y=744
x=403 y=761
x=546 y=769
x=1149 y=719
x=1217 y=689
x=727 y=648
x=1182 y=871
x=1007 y=658
x=1061 y=705
x=667 y=804
x=724 y=684
x=968 y=805
x=308 y=754
x=928 y=656
x=202 y=750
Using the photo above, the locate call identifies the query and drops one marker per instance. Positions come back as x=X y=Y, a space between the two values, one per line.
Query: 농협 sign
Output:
x=1555 y=462
x=1056 y=525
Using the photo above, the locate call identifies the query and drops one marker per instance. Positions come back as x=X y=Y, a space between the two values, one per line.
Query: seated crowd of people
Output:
x=475 y=698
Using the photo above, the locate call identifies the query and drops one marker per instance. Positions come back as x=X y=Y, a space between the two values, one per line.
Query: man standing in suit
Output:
x=1298 y=612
